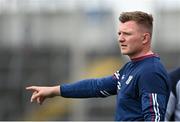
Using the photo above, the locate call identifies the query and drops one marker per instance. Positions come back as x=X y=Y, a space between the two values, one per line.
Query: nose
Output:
x=121 y=38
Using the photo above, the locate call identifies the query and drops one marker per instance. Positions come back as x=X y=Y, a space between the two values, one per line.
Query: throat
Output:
x=141 y=55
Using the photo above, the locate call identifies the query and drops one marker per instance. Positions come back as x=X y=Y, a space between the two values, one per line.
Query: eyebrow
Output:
x=124 y=33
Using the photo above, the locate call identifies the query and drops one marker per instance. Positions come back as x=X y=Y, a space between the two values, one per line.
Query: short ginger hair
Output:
x=141 y=18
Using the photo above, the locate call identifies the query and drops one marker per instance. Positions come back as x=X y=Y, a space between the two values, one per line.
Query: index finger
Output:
x=32 y=88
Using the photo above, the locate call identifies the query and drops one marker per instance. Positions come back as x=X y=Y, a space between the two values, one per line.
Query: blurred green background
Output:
x=49 y=42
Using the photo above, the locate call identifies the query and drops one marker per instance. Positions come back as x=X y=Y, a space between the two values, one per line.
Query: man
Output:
x=141 y=85
x=173 y=107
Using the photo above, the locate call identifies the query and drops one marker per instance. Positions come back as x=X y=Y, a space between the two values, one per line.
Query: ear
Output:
x=146 y=38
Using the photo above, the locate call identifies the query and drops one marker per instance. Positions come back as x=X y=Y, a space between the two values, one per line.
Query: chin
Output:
x=124 y=52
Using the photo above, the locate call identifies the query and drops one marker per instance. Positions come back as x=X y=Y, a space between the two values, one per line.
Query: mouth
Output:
x=123 y=45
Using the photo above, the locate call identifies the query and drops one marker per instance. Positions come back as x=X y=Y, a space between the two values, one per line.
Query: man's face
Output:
x=130 y=37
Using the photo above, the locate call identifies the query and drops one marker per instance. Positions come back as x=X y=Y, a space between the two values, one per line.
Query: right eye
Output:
x=127 y=33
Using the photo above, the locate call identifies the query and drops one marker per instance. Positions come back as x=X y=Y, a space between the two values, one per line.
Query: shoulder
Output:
x=152 y=71
x=175 y=80
x=175 y=75
x=152 y=68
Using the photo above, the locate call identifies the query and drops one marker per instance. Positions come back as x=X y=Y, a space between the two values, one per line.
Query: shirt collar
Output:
x=143 y=57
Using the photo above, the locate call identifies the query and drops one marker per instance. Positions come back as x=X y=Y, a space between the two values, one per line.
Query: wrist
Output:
x=56 y=90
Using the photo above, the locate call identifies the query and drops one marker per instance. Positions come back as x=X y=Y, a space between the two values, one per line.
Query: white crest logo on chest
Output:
x=129 y=79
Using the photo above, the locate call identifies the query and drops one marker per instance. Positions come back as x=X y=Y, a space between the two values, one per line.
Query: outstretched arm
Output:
x=101 y=87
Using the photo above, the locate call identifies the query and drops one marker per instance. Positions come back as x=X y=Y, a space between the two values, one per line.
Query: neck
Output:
x=141 y=55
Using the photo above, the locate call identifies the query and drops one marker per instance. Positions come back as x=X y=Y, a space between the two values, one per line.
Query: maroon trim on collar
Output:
x=145 y=56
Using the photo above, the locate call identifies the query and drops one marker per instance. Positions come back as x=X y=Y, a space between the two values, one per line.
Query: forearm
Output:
x=88 y=88
x=80 y=89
